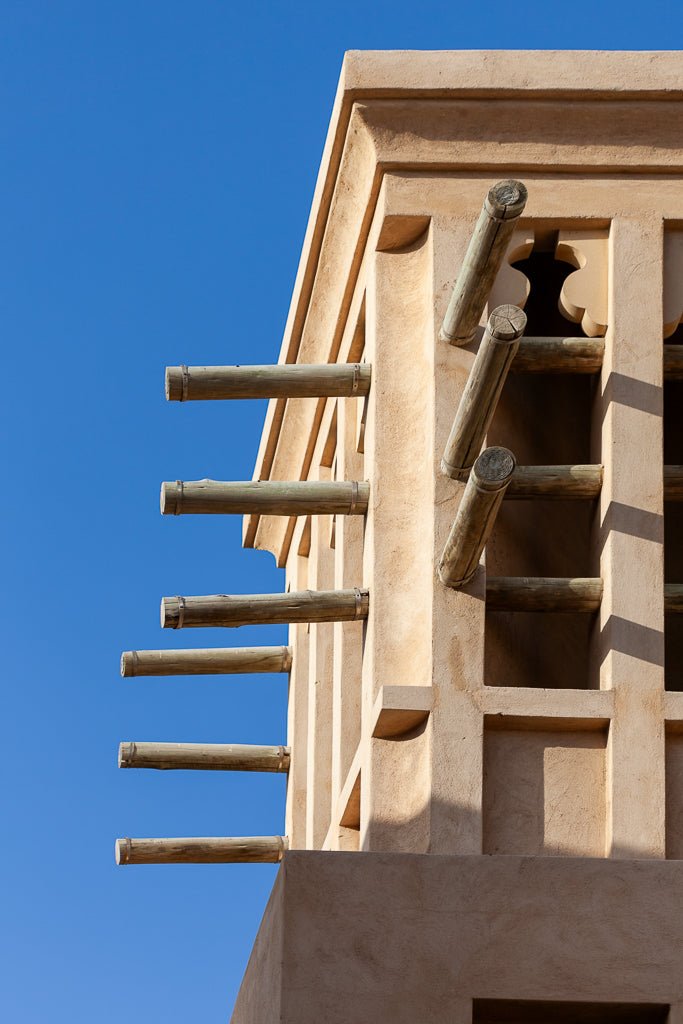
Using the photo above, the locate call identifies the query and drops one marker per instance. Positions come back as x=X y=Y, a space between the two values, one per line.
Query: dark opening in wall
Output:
x=507 y=1011
x=545 y=419
x=673 y=525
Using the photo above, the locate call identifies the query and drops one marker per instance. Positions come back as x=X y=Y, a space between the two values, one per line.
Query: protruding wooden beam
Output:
x=252 y=609
x=491 y=474
x=542 y=594
x=673 y=482
x=482 y=391
x=291 y=380
x=673 y=597
x=222 y=757
x=559 y=355
x=673 y=362
x=206 y=661
x=498 y=219
x=206 y=850
x=556 y=482
x=267 y=497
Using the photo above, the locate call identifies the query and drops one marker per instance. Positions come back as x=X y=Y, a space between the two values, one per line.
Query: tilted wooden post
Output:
x=543 y=594
x=490 y=476
x=252 y=609
x=498 y=219
x=203 y=383
x=206 y=661
x=482 y=391
x=226 y=757
x=206 y=850
x=267 y=497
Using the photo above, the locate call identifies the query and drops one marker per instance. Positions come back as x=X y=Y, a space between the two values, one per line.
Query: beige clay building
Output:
x=484 y=818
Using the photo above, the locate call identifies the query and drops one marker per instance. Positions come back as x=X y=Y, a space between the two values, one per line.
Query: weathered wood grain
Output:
x=559 y=355
x=267 y=497
x=291 y=380
x=206 y=661
x=557 y=482
x=252 y=609
x=204 y=850
x=226 y=757
x=497 y=220
x=482 y=391
x=542 y=594
x=491 y=474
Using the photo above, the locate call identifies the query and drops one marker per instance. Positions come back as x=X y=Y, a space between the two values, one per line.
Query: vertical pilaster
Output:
x=631 y=645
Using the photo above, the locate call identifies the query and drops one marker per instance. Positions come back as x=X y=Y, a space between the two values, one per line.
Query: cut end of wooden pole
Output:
x=506 y=200
x=507 y=323
x=171 y=497
x=493 y=469
x=176 y=383
x=128 y=663
x=172 y=609
x=126 y=755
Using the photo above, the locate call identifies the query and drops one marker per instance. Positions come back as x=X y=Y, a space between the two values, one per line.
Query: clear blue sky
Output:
x=158 y=162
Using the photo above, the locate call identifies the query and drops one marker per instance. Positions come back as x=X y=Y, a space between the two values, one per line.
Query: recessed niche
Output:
x=544 y=789
x=674 y=794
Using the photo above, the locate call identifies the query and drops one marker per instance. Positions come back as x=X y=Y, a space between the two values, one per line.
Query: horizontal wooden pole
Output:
x=673 y=483
x=482 y=391
x=222 y=757
x=207 y=850
x=291 y=380
x=559 y=355
x=485 y=252
x=673 y=362
x=206 y=661
x=542 y=594
x=555 y=482
x=491 y=474
x=267 y=497
x=673 y=597
x=253 y=609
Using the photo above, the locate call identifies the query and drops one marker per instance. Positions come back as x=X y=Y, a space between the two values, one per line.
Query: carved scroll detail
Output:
x=511 y=286
x=583 y=298
x=673 y=281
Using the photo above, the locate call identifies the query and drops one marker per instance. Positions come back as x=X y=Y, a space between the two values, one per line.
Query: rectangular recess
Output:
x=544 y=789
x=673 y=527
x=674 y=791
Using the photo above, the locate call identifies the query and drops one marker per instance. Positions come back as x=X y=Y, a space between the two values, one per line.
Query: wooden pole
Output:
x=226 y=757
x=482 y=391
x=498 y=219
x=673 y=362
x=291 y=380
x=207 y=661
x=559 y=355
x=673 y=597
x=267 y=497
x=673 y=483
x=252 y=609
x=491 y=474
x=207 y=850
x=556 y=482
x=542 y=594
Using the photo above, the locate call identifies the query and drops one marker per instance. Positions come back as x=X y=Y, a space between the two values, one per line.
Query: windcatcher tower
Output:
x=484 y=817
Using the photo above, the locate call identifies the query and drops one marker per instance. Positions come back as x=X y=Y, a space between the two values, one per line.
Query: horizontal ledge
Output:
x=673 y=597
x=206 y=661
x=206 y=850
x=267 y=497
x=230 y=757
x=546 y=708
x=579 y=481
x=400 y=709
x=254 y=609
x=293 y=380
x=543 y=594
